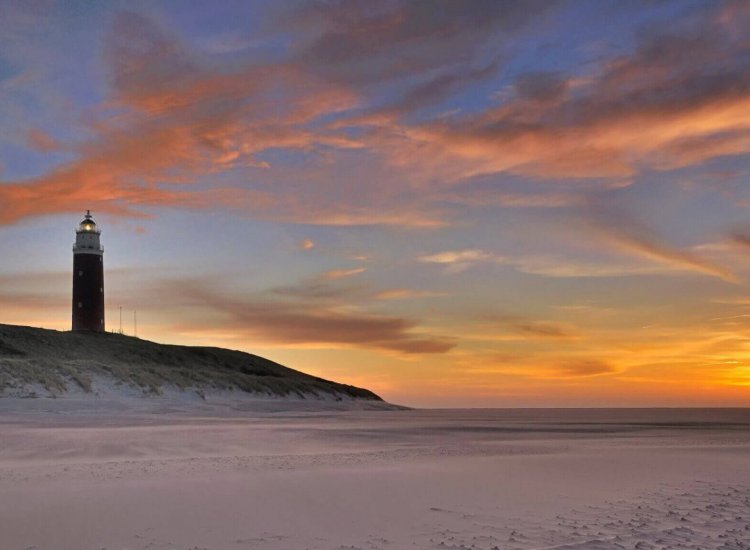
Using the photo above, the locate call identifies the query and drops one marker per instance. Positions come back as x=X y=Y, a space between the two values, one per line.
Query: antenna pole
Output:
x=120 y=319
x=135 y=323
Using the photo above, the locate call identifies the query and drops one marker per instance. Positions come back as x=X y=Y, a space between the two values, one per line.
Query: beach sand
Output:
x=443 y=479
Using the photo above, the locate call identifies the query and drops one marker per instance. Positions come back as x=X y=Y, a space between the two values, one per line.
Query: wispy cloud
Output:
x=531 y=198
x=423 y=44
x=319 y=290
x=342 y=95
x=620 y=230
x=302 y=322
x=406 y=294
x=566 y=267
x=646 y=247
x=585 y=367
x=341 y=273
x=515 y=327
x=741 y=237
x=42 y=141
x=33 y=292
x=457 y=261
x=549 y=265
x=175 y=121
x=676 y=100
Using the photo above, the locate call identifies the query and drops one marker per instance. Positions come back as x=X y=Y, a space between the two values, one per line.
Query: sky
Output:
x=482 y=203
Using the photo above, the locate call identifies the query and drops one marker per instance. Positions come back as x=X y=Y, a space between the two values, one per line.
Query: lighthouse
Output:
x=88 y=277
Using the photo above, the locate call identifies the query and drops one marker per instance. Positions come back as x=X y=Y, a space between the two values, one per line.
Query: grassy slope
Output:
x=55 y=360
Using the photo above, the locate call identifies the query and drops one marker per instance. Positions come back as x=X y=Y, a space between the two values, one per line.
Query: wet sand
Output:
x=482 y=479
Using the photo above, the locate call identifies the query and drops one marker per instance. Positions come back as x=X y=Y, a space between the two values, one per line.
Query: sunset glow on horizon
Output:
x=451 y=203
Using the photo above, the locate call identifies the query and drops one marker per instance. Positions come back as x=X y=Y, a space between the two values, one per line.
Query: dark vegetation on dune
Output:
x=56 y=360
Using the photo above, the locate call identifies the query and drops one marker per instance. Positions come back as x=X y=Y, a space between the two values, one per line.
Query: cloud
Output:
x=457 y=256
x=425 y=94
x=351 y=94
x=534 y=368
x=541 y=86
x=695 y=150
x=317 y=290
x=307 y=244
x=406 y=294
x=615 y=227
x=34 y=289
x=42 y=141
x=341 y=273
x=364 y=43
x=176 y=117
x=585 y=367
x=647 y=246
x=545 y=330
x=513 y=327
x=527 y=199
x=333 y=287
x=676 y=100
x=173 y=120
x=457 y=261
x=309 y=203
x=741 y=238
x=14 y=301
x=299 y=322
x=563 y=267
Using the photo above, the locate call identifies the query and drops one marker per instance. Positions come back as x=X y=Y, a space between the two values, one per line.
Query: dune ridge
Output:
x=88 y=366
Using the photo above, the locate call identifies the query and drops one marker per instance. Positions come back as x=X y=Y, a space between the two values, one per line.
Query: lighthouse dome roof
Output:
x=88 y=223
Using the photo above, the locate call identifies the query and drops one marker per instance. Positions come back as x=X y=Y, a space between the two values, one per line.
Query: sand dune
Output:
x=371 y=480
x=99 y=370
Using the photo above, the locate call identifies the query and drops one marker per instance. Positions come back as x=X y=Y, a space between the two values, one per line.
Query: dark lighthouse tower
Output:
x=88 y=277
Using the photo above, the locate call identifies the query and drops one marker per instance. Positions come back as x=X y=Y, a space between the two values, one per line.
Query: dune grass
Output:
x=58 y=361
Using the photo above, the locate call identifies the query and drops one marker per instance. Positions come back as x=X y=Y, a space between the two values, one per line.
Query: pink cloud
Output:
x=42 y=141
x=678 y=100
x=177 y=117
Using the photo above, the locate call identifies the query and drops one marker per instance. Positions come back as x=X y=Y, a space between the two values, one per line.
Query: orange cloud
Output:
x=174 y=121
x=42 y=141
x=678 y=100
x=176 y=117
x=341 y=273
x=406 y=293
x=586 y=367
